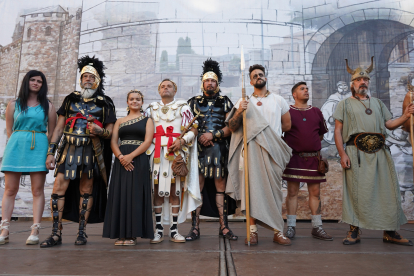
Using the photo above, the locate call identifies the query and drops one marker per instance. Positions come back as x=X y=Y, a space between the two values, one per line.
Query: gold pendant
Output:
x=165 y=109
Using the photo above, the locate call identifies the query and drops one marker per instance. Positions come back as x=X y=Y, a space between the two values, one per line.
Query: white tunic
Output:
x=176 y=114
x=272 y=108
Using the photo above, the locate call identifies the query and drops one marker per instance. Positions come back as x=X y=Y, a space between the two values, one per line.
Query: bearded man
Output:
x=371 y=193
x=213 y=151
x=267 y=116
x=86 y=120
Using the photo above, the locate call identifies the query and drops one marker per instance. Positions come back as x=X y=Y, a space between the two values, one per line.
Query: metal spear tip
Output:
x=242 y=64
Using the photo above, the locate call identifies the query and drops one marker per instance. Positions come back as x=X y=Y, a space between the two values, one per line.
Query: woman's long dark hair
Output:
x=41 y=96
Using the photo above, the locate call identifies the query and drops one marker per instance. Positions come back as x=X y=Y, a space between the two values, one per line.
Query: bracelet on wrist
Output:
x=52 y=148
x=105 y=133
x=218 y=133
x=119 y=155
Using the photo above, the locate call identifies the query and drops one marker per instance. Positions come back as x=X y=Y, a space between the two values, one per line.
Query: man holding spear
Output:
x=265 y=159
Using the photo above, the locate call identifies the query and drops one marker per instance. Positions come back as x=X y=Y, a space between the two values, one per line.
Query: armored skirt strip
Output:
x=129 y=209
x=303 y=166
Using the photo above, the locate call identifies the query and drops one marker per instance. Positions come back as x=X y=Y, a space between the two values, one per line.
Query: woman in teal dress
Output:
x=28 y=119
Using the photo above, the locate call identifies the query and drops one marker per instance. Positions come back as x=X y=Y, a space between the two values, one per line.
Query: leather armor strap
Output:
x=72 y=120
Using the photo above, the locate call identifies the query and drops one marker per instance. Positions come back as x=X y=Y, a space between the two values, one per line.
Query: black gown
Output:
x=129 y=208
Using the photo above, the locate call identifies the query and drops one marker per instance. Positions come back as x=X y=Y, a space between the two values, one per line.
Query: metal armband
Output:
x=218 y=133
x=52 y=148
x=105 y=134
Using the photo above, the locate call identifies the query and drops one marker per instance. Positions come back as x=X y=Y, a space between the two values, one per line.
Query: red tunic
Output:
x=307 y=125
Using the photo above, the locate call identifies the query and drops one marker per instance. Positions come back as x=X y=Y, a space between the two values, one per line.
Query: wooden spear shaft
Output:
x=246 y=156
x=246 y=173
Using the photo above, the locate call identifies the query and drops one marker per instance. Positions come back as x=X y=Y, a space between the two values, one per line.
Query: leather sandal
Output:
x=119 y=242
x=229 y=235
x=50 y=241
x=81 y=238
x=130 y=241
x=193 y=236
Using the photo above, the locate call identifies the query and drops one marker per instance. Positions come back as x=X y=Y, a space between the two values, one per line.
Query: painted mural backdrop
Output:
x=142 y=42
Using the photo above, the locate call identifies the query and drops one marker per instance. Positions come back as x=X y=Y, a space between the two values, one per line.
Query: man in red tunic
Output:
x=304 y=137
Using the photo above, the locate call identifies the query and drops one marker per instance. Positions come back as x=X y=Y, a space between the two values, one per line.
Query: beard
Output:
x=210 y=92
x=260 y=85
x=362 y=90
x=87 y=93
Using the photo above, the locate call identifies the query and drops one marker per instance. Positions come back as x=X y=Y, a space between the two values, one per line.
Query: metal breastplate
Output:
x=85 y=107
x=211 y=117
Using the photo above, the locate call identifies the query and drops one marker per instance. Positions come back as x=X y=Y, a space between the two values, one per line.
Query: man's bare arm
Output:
x=286 y=122
x=236 y=121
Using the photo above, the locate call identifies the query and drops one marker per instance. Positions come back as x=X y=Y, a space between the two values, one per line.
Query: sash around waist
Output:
x=33 y=142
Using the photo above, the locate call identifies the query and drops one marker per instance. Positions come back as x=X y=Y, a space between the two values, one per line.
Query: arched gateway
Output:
x=357 y=41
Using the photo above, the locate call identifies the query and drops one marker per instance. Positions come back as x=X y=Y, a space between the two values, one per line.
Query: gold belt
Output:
x=131 y=142
x=33 y=142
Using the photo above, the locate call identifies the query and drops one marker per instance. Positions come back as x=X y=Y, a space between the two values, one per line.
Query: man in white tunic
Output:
x=267 y=117
x=170 y=118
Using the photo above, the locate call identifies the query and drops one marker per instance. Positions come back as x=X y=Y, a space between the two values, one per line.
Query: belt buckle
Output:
x=370 y=142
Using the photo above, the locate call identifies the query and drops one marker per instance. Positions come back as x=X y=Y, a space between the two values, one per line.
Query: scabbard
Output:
x=97 y=148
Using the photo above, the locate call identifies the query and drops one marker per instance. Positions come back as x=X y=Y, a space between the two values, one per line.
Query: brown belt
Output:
x=367 y=142
x=307 y=154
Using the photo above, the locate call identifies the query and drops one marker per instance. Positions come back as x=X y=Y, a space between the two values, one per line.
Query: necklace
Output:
x=259 y=100
x=368 y=110
x=300 y=110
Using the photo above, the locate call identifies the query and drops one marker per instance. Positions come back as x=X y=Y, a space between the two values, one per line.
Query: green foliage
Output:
x=183 y=47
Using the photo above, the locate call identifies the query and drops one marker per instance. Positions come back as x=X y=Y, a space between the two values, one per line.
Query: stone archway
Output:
x=356 y=41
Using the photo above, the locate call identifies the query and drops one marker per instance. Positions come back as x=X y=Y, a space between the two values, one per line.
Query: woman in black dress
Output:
x=129 y=208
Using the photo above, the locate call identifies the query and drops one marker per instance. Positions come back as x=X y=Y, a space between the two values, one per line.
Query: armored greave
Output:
x=57 y=204
x=86 y=202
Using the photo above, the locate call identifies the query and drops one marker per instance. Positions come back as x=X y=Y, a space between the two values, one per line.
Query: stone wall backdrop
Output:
x=142 y=43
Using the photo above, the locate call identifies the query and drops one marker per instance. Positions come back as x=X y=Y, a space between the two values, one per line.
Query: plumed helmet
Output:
x=359 y=72
x=87 y=64
x=211 y=70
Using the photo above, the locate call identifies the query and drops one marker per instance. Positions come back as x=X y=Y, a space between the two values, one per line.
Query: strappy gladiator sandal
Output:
x=223 y=215
x=229 y=235
x=81 y=238
x=4 y=225
x=50 y=241
x=191 y=235
x=34 y=239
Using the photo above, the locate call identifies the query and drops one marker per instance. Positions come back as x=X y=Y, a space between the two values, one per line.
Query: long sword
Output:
x=246 y=162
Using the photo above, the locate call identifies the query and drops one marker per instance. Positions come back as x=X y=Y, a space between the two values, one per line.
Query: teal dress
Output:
x=27 y=147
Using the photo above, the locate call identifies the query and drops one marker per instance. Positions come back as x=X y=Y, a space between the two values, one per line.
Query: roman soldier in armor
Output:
x=213 y=150
x=171 y=117
x=83 y=159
